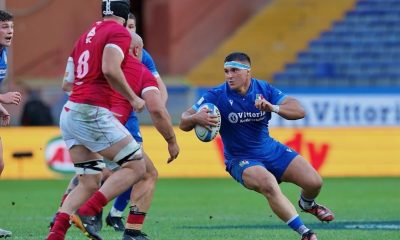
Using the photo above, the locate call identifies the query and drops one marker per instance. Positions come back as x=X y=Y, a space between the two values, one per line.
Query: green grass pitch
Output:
x=219 y=209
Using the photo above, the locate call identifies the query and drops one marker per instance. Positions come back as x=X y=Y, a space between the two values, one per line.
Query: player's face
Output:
x=236 y=78
x=131 y=25
x=6 y=33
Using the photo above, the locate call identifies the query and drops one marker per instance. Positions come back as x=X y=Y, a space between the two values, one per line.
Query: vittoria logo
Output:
x=243 y=117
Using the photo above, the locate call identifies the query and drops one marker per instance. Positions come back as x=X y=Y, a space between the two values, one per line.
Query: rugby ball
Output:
x=203 y=133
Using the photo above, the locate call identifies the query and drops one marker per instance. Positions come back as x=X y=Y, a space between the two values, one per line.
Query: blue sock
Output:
x=297 y=225
x=122 y=200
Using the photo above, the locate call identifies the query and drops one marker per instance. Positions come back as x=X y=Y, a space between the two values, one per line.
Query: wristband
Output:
x=275 y=108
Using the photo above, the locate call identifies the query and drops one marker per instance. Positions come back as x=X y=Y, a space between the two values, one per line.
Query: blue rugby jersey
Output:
x=148 y=61
x=3 y=64
x=244 y=128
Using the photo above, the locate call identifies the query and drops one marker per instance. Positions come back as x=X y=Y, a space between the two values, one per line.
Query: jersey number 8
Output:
x=83 y=66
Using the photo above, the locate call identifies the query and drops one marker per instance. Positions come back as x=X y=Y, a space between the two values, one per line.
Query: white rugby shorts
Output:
x=94 y=127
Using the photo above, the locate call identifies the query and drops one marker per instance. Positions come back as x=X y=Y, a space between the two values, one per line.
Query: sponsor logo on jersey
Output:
x=90 y=35
x=242 y=117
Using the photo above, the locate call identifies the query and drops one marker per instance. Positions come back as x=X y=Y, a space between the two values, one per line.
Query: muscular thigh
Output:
x=301 y=173
x=258 y=178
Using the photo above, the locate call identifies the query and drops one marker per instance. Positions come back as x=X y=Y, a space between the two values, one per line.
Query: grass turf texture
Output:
x=218 y=209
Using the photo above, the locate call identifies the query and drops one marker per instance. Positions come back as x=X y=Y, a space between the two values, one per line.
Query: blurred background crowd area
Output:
x=308 y=46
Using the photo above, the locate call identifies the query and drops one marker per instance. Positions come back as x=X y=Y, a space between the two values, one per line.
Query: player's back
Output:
x=90 y=85
x=139 y=79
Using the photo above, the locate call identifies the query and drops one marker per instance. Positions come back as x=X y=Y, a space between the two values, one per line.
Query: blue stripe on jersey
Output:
x=244 y=129
x=3 y=64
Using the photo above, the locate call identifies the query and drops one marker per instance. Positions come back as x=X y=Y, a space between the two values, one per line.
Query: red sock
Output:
x=94 y=205
x=60 y=227
x=136 y=218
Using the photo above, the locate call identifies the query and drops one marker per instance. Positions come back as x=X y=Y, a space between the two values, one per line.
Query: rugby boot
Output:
x=98 y=221
x=5 y=233
x=115 y=222
x=319 y=211
x=87 y=224
x=130 y=234
x=309 y=235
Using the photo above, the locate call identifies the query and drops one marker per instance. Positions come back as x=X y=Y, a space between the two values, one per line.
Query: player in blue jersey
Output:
x=252 y=156
x=143 y=191
x=6 y=35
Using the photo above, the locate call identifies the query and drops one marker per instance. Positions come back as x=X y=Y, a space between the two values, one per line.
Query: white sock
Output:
x=306 y=203
x=115 y=213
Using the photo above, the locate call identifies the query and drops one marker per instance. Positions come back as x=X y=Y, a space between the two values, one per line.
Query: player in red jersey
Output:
x=88 y=127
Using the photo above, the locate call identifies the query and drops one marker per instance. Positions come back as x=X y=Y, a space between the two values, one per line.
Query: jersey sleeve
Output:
x=276 y=95
x=148 y=61
x=120 y=40
x=149 y=81
x=210 y=96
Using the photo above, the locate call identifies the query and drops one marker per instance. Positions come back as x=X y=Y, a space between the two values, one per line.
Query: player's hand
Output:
x=263 y=105
x=4 y=118
x=138 y=104
x=11 y=98
x=173 y=150
x=205 y=119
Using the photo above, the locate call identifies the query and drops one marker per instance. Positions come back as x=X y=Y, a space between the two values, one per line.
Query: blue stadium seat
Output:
x=362 y=49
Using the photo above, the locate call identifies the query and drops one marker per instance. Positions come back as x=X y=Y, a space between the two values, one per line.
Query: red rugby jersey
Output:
x=90 y=85
x=140 y=79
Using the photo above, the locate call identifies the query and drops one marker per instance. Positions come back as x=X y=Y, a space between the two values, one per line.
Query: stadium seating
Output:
x=361 y=50
x=272 y=38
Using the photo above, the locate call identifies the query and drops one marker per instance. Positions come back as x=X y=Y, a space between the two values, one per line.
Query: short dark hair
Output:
x=131 y=16
x=5 y=16
x=239 y=56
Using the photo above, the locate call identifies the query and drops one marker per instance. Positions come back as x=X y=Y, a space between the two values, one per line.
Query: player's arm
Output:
x=111 y=67
x=190 y=118
x=162 y=121
x=69 y=76
x=10 y=98
x=4 y=116
x=163 y=89
x=289 y=108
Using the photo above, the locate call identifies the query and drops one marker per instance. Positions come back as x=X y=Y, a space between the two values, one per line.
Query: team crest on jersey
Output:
x=243 y=163
x=231 y=101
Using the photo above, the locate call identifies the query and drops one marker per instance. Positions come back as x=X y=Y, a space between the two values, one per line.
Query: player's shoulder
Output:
x=111 y=29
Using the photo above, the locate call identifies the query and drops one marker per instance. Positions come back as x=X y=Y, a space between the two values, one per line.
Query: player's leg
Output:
x=71 y=185
x=141 y=198
x=301 y=173
x=1 y=158
x=128 y=154
x=89 y=175
x=115 y=216
x=253 y=175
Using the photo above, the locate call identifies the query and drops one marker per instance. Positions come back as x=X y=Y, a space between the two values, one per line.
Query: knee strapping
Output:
x=132 y=151
x=90 y=167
